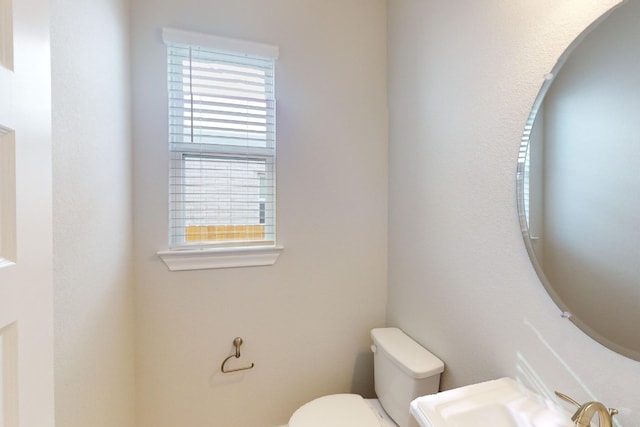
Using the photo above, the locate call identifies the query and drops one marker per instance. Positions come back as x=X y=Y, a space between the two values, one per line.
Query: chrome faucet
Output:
x=584 y=414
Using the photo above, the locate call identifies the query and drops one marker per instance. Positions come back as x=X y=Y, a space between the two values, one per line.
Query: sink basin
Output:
x=497 y=403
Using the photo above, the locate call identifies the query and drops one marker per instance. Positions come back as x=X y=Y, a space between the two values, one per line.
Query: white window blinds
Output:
x=222 y=145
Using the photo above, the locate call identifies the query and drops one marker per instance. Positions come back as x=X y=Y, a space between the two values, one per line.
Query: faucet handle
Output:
x=612 y=411
x=568 y=399
x=580 y=407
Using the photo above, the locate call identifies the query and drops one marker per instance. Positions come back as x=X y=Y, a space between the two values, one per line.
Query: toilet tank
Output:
x=403 y=371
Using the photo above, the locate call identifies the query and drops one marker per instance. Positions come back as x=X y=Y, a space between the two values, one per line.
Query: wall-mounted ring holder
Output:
x=237 y=342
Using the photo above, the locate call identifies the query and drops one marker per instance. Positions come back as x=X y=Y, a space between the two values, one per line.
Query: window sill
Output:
x=6 y=263
x=202 y=259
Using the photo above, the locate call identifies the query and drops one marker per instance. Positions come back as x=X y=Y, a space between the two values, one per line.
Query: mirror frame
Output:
x=520 y=197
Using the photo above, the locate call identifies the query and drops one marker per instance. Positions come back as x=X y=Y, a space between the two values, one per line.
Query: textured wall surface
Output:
x=306 y=320
x=463 y=77
x=94 y=380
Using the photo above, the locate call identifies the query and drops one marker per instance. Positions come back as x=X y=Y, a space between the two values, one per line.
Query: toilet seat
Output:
x=339 y=410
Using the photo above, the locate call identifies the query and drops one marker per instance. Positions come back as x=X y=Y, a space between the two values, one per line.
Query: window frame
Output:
x=203 y=255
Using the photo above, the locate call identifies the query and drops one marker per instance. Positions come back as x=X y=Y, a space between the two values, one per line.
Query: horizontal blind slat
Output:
x=178 y=101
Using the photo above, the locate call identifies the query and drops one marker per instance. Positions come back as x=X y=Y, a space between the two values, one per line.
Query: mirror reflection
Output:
x=579 y=184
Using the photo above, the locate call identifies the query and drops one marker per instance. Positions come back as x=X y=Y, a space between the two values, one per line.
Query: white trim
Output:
x=201 y=259
x=8 y=240
x=6 y=34
x=9 y=375
x=6 y=263
x=170 y=35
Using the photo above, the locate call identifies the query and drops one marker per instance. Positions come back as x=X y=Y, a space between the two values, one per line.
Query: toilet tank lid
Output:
x=410 y=356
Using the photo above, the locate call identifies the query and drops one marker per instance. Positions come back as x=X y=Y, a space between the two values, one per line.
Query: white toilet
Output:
x=403 y=371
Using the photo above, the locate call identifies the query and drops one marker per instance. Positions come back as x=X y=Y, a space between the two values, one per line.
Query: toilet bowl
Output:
x=341 y=410
x=403 y=371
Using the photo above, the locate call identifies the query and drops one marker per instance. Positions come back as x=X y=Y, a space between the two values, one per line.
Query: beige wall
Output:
x=463 y=76
x=94 y=379
x=305 y=321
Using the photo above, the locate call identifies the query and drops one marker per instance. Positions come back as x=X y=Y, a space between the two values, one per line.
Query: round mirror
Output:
x=579 y=182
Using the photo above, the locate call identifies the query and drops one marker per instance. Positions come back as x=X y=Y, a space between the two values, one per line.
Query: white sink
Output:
x=497 y=403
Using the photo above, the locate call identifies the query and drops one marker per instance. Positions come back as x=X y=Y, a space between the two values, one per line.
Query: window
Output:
x=222 y=144
x=221 y=141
